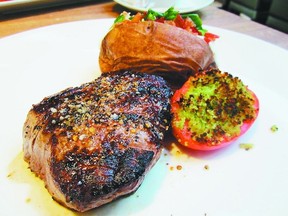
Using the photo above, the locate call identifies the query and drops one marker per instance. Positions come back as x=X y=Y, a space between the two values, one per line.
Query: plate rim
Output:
x=180 y=9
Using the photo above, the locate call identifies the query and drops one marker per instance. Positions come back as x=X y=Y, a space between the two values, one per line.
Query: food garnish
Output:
x=274 y=128
x=190 y=22
x=212 y=110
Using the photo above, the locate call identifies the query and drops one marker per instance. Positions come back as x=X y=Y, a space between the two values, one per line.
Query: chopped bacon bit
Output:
x=138 y=17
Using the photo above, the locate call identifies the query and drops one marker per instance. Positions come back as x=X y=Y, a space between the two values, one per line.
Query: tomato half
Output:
x=214 y=113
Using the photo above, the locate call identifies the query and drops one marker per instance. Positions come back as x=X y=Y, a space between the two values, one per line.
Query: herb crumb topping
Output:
x=215 y=106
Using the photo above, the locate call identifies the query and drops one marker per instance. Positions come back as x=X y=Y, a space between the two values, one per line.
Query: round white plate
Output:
x=183 y=6
x=229 y=181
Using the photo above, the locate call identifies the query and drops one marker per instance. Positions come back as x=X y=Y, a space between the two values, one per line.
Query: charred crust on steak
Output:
x=89 y=175
x=73 y=106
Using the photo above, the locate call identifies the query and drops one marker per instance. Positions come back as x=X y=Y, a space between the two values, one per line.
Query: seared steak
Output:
x=94 y=143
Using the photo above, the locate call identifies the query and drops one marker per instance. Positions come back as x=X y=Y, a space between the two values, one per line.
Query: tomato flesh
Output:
x=209 y=37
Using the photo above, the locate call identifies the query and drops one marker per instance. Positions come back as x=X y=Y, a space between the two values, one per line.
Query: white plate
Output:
x=37 y=63
x=183 y=6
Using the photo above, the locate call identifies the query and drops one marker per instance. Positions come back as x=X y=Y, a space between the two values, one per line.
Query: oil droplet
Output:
x=19 y=172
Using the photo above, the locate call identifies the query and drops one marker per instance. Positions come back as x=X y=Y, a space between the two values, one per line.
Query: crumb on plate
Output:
x=274 y=128
x=246 y=146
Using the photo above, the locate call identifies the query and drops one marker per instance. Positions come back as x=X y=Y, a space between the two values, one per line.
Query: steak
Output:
x=93 y=143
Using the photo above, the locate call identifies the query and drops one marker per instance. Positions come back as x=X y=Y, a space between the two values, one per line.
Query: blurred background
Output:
x=272 y=13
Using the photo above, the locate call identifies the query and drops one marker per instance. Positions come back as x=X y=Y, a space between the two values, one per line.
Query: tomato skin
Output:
x=179 y=21
x=183 y=135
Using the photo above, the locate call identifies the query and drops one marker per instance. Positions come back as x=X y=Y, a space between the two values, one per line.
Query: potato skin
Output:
x=154 y=47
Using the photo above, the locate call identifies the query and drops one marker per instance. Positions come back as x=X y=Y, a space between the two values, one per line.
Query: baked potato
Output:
x=154 y=47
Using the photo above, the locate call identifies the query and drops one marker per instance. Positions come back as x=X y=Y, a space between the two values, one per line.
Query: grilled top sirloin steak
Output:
x=94 y=143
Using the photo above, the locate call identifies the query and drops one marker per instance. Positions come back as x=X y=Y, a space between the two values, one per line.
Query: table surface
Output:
x=212 y=15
